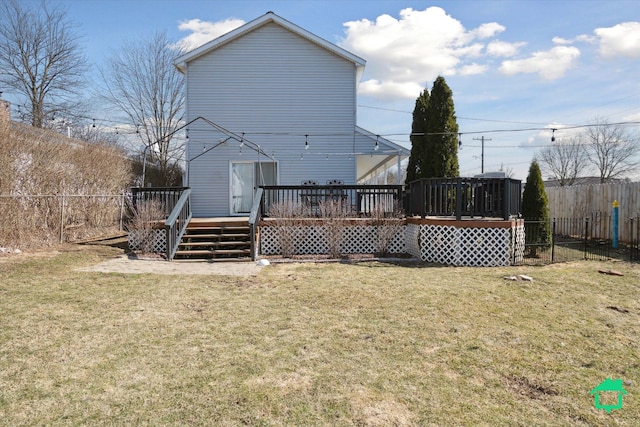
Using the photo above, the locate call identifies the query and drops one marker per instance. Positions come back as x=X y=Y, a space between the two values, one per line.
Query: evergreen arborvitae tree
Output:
x=535 y=210
x=418 y=130
x=440 y=157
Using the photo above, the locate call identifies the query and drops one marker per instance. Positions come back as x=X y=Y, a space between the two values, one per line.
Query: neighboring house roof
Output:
x=269 y=17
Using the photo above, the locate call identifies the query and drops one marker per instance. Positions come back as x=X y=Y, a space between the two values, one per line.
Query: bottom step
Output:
x=216 y=253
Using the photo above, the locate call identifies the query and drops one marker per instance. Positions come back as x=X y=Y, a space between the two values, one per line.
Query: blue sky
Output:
x=512 y=65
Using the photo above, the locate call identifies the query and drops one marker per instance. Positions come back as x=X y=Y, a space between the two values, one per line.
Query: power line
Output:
x=482 y=156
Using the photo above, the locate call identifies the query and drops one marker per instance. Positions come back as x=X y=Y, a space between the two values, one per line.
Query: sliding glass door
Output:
x=246 y=177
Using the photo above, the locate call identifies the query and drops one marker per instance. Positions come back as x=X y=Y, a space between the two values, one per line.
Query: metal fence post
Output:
x=61 y=218
x=616 y=208
x=553 y=240
x=586 y=235
x=506 y=204
x=122 y=212
x=631 y=241
x=458 y=199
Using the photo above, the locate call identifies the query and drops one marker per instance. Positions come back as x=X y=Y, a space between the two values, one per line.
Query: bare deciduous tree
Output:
x=564 y=160
x=94 y=134
x=612 y=149
x=142 y=82
x=508 y=171
x=40 y=58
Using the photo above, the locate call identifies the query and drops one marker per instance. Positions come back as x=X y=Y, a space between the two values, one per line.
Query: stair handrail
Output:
x=254 y=218
x=176 y=223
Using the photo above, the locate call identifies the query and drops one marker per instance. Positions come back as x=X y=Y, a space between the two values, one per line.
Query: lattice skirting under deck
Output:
x=443 y=244
x=157 y=240
x=311 y=239
x=470 y=246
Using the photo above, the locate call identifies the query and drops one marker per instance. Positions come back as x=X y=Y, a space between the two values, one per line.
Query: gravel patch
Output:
x=130 y=264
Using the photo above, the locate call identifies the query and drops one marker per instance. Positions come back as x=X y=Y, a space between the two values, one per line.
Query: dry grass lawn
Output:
x=364 y=344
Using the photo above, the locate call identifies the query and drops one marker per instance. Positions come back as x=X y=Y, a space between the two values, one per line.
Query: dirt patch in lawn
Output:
x=131 y=264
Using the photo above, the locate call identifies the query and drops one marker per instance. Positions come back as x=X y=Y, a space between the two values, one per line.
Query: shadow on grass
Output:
x=119 y=241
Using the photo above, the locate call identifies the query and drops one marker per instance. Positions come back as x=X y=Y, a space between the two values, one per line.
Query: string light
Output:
x=306 y=142
x=19 y=108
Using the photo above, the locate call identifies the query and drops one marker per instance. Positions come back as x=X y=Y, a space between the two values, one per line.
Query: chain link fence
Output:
x=37 y=220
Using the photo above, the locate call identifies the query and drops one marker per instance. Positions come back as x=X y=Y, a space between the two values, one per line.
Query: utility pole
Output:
x=483 y=139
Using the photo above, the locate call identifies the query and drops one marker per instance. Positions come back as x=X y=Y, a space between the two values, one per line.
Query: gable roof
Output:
x=269 y=17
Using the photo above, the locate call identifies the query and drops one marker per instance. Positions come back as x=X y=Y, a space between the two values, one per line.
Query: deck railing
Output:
x=254 y=219
x=176 y=223
x=167 y=196
x=357 y=200
x=177 y=209
x=458 y=197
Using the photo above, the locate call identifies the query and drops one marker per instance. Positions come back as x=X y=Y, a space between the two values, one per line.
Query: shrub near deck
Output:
x=315 y=344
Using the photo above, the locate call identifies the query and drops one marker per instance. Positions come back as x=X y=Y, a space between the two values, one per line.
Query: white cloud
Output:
x=560 y=40
x=204 y=31
x=620 y=40
x=472 y=69
x=500 y=48
x=586 y=38
x=485 y=31
x=634 y=117
x=412 y=50
x=390 y=89
x=550 y=65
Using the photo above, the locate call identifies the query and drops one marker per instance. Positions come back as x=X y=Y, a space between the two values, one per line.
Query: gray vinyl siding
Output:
x=274 y=86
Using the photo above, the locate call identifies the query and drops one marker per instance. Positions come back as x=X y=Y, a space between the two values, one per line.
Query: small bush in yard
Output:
x=386 y=225
x=289 y=223
x=144 y=215
x=334 y=218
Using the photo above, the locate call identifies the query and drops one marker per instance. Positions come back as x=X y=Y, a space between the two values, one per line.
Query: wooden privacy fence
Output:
x=580 y=201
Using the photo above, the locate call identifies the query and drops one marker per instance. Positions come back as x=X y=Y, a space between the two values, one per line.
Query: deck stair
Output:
x=216 y=238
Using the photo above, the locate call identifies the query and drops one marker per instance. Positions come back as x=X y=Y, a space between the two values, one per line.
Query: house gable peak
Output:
x=269 y=17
